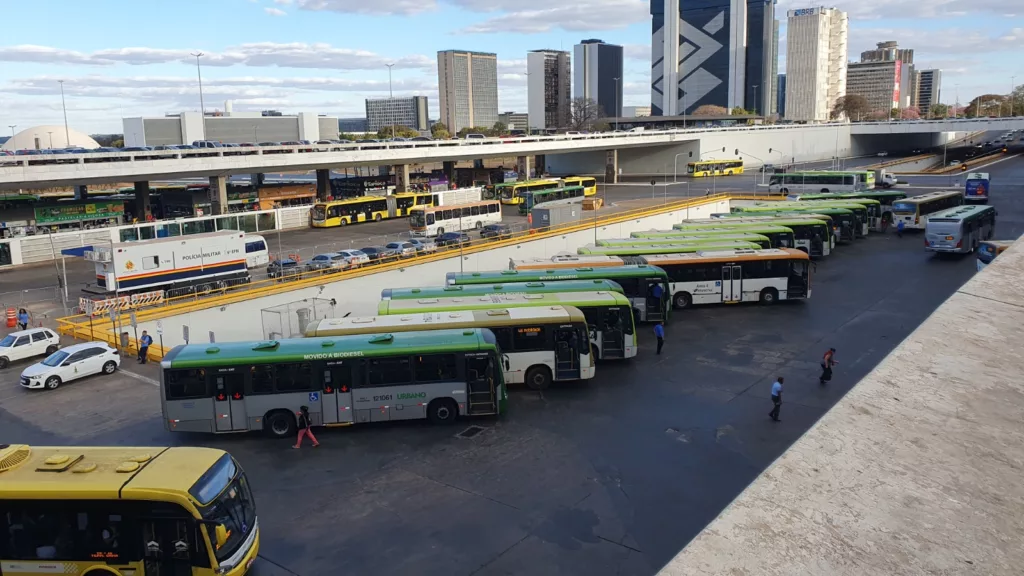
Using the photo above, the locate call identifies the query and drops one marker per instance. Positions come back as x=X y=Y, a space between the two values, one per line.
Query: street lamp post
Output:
x=67 y=133
x=391 y=96
x=675 y=167
x=202 y=105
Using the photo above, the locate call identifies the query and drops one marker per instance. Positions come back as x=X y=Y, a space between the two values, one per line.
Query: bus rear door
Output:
x=336 y=393
x=229 y=400
x=732 y=284
x=483 y=392
x=567 y=356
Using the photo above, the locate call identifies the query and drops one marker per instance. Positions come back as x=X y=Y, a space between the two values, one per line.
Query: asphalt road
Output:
x=613 y=476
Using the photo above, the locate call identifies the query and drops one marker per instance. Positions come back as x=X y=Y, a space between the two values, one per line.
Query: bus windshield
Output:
x=225 y=491
x=417 y=219
x=904 y=207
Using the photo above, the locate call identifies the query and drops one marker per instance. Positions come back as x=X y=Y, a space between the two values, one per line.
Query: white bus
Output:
x=914 y=211
x=430 y=221
x=256 y=253
x=959 y=230
x=733 y=276
x=821 y=181
x=538 y=345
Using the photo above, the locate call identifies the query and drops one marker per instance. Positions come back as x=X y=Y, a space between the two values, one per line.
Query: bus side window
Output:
x=529 y=338
x=262 y=379
x=389 y=371
x=186 y=384
x=295 y=377
x=503 y=335
x=436 y=368
x=493 y=208
x=631 y=286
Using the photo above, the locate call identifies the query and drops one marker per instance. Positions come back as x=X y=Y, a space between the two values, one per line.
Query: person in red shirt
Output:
x=827 y=362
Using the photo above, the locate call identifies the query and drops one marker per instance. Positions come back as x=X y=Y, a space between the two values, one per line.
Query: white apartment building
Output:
x=467 y=89
x=816 y=43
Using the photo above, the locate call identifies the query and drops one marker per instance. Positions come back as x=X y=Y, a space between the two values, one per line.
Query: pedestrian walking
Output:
x=827 y=362
x=899 y=229
x=776 y=398
x=305 y=428
x=144 y=344
x=23 y=319
x=659 y=332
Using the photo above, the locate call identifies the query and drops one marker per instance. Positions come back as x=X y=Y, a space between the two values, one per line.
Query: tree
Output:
x=939 y=110
x=986 y=105
x=499 y=129
x=583 y=113
x=439 y=131
x=1015 y=103
x=911 y=113
x=738 y=111
x=385 y=132
x=710 y=110
x=473 y=130
x=876 y=115
x=853 y=106
x=117 y=143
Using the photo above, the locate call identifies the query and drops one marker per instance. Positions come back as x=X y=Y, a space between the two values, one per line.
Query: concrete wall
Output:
x=309 y=126
x=134 y=131
x=359 y=296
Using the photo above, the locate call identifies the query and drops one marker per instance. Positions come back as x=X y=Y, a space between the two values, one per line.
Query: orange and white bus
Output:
x=433 y=221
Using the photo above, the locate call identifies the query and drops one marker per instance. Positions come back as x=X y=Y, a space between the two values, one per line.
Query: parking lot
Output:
x=611 y=476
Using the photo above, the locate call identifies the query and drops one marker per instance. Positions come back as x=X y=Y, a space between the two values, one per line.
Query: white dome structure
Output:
x=42 y=137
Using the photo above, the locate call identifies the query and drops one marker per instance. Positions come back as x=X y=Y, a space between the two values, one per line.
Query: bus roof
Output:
x=794 y=209
x=589 y=285
x=368 y=198
x=695 y=238
x=864 y=194
x=830 y=201
x=69 y=472
x=727 y=256
x=726 y=223
x=578 y=299
x=959 y=213
x=931 y=196
x=667 y=248
x=449 y=320
x=563 y=260
x=305 y=349
x=430 y=208
x=712 y=229
x=580 y=273
x=715 y=161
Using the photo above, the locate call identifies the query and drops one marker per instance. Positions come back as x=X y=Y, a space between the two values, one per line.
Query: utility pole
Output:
x=12 y=127
x=391 y=97
x=202 y=106
x=616 y=103
x=1013 y=80
x=67 y=133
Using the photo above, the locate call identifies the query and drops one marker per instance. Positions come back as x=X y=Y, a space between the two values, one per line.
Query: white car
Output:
x=328 y=263
x=71 y=363
x=355 y=257
x=883 y=154
x=26 y=344
x=403 y=249
x=954 y=163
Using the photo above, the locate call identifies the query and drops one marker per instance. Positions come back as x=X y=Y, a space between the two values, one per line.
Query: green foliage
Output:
x=399 y=132
x=710 y=110
x=439 y=131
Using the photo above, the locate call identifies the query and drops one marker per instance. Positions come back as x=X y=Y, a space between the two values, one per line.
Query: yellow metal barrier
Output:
x=81 y=326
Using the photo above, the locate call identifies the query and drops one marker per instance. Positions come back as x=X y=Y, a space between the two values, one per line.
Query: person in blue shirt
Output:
x=144 y=343
x=899 y=229
x=23 y=319
x=659 y=332
x=776 y=398
x=657 y=292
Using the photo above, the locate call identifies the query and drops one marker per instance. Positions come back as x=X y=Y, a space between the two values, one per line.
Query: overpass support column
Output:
x=81 y=191
x=540 y=165
x=323 y=184
x=142 y=209
x=448 y=167
x=523 y=167
x=219 y=194
x=611 y=167
x=401 y=178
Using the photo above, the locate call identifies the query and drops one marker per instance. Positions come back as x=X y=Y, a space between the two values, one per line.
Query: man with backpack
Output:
x=827 y=362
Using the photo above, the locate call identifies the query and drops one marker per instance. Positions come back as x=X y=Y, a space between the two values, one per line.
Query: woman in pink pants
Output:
x=305 y=428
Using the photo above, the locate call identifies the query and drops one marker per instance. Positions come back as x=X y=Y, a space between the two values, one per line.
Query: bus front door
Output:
x=229 y=401
x=336 y=394
x=611 y=335
x=483 y=397
x=732 y=283
x=167 y=546
x=567 y=356
x=654 y=308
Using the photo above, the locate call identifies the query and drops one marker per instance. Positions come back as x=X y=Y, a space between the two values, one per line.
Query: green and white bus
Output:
x=668 y=248
x=870 y=215
x=831 y=219
x=708 y=238
x=821 y=181
x=886 y=198
x=859 y=209
x=640 y=284
x=609 y=314
x=811 y=236
x=533 y=198
x=596 y=285
x=538 y=345
x=778 y=236
x=241 y=386
x=846 y=218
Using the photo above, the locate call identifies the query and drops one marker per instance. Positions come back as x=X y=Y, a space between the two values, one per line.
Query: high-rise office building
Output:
x=929 y=83
x=514 y=120
x=467 y=89
x=715 y=52
x=548 y=88
x=878 y=82
x=773 y=106
x=597 y=75
x=887 y=51
x=781 y=95
x=816 y=76
x=410 y=112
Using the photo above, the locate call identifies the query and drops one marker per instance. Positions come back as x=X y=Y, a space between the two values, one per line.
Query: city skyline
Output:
x=328 y=56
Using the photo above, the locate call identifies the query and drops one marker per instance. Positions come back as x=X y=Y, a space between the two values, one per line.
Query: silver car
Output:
x=403 y=249
x=334 y=262
x=355 y=257
x=423 y=246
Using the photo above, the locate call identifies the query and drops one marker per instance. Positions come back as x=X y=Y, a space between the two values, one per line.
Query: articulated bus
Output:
x=589 y=184
x=778 y=236
x=538 y=345
x=821 y=181
x=121 y=510
x=667 y=248
x=989 y=249
x=733 y=276
x=710 y=238
x=715 y=168
x=366 y=209
x=845 y=223
x=831 y=216
x=531 y=198
x=959 y=230
x=512 y=192
x=344 y=380
x=638 y=283
x=595 y=285
x=609 y=314
x=811 y=235
x=433 y=221
x=914 y=210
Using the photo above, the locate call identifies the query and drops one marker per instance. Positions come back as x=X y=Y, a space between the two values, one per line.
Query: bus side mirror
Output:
x=221 y=535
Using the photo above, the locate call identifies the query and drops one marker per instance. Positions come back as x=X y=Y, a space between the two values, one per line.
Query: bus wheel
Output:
x=442 y=411
x=377 y=218
x=769 y=296
x=440 y=231
x=538 y=378
x=279 y=424
x=342 y=222
x=682 y=300
x=784 y=190
x=478 y=225
x=824 y=190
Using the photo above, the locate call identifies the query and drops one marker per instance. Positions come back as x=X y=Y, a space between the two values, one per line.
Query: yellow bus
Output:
x=589 y=184
x=115 y=510
x=714 y=168
x=367 y=209
x=511 y=192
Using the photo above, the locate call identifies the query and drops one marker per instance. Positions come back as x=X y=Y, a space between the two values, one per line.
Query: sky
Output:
x=128 y=58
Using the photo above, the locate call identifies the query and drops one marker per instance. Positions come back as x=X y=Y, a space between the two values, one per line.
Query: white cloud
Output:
x=275 y=11
x=580 y=16
x=879 y=9
x=379 y=7
x=637 y=51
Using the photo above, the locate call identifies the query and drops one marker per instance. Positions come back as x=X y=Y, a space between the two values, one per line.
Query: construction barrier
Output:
x=92 y=307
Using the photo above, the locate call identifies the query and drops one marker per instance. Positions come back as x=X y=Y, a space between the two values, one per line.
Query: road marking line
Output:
x=139 y=377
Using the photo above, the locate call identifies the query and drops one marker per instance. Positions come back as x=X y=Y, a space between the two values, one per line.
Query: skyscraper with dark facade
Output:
x=716 y=52
x=597 y=75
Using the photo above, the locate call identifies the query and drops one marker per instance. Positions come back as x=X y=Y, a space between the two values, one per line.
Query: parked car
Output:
x=355 y=257
x=453 y=239
x=333 y=262
x=284 y=269
x=496 y=231
x=883 y=154
x=107 y=149
x=128 y=149
x=74 y=362
x=26 y=344
x=207 y=144
x=423 y=246
x=269 y=144
x=954 y=163
x=403 y=249
x=379 y=253
x=421 y=139
x=475 y=137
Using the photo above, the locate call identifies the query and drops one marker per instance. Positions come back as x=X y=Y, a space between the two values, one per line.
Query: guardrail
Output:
x=82 y=326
